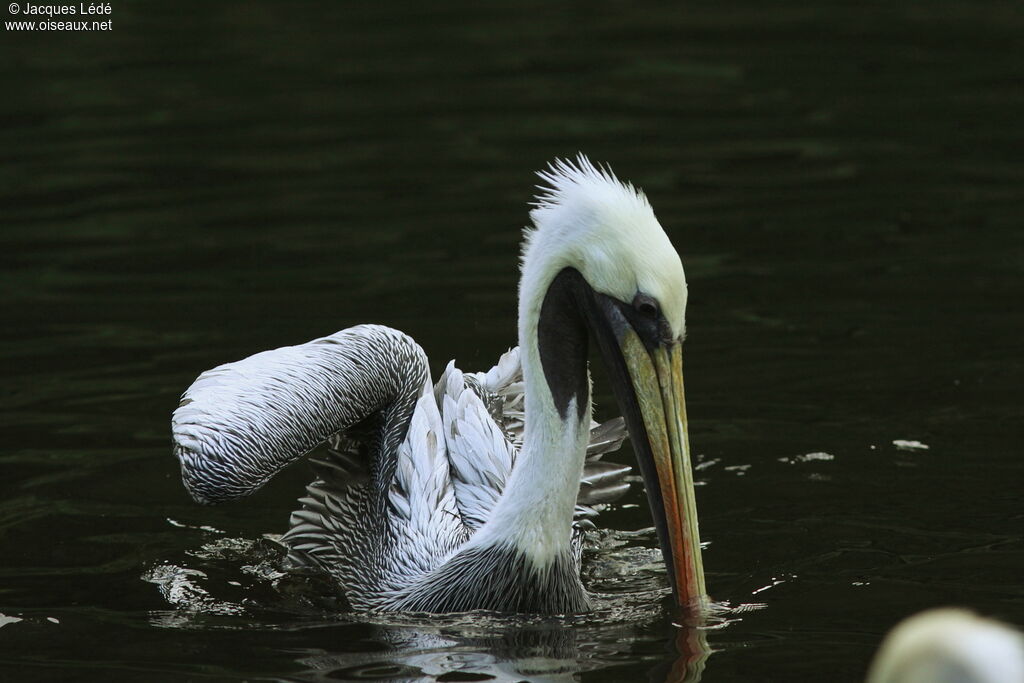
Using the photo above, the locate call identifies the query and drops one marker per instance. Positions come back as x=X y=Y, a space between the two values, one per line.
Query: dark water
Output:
x=845 y=185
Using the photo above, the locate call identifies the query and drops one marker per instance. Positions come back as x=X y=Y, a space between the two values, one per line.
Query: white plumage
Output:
x=950 y=646
x=471 y=493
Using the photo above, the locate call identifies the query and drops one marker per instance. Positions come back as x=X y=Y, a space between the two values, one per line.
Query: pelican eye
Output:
x=648 y=320
x=646 y=306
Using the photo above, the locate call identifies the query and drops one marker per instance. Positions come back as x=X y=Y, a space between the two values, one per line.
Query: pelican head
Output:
x=949 y=645
x=598 y=266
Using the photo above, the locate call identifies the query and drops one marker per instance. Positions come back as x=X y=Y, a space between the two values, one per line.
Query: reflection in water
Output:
x=692 y=652
x=480 y=647
x=236 y=584
x=539 y=653
x=553 y=653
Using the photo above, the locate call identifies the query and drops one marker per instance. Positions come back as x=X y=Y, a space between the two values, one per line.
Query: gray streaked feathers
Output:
x=411 y=471
x=240 y=423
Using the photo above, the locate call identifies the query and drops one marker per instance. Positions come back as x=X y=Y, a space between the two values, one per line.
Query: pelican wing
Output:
x=604 y=482
x=502 y=390
x=480 y=453
x=339 y=530
x=240 y=423
x=423 y=496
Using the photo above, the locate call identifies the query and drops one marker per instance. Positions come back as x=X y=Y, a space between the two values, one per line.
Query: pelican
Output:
x=474 y=493
x=949 y=645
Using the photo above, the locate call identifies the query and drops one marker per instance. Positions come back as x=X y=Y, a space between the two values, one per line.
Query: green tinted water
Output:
x=207 y=181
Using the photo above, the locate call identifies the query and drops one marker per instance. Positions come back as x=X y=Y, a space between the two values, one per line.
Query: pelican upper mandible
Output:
x=473 y=493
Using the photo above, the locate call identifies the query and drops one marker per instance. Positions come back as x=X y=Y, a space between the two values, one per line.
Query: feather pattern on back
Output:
x=449 y=472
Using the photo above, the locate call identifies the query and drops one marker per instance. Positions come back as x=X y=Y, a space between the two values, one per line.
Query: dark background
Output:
x=843 y=181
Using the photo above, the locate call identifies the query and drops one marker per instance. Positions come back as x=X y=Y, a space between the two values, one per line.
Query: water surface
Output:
x=844 y=184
